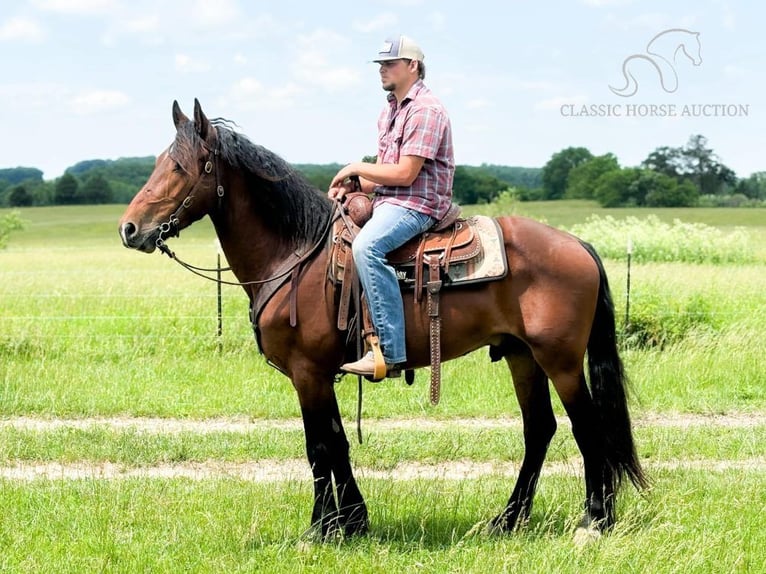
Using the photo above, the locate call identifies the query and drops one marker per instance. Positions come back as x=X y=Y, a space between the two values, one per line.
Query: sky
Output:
x=522 y=80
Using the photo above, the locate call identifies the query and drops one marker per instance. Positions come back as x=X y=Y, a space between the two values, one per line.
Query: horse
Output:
x=552 y=308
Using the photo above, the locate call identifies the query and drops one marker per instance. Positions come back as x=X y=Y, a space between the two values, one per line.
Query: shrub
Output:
x=656 y=241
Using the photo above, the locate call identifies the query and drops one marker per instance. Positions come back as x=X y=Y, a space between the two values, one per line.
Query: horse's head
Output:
x=181 y=189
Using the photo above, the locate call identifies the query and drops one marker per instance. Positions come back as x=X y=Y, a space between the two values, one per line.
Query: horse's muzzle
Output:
x=134 y=239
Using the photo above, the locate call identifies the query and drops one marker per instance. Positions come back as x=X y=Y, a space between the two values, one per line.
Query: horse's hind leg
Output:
x=588 y=433
x=531 y=386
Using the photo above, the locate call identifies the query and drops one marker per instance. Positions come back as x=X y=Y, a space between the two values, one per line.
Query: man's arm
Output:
x=372 y=174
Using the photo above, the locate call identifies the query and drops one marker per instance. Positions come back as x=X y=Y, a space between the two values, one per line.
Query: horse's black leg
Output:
x=589 y=435
x=351 y=506
x=328 y=453
x=532 y=392
x=318 y=449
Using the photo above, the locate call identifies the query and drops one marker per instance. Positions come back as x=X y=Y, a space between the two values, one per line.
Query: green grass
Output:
x=90 y=329
x=690 y=522
x=381 y=450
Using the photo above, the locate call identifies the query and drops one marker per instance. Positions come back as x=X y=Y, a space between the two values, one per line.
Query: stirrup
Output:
x=380 y=370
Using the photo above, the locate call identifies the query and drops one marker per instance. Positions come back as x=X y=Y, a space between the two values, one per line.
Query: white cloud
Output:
x=22 y=29
x=249 y=93
x=478 y=104
x=601 y=3
x=83 y=7
x=381 y=23
x=438 y=20
x=317 y=61
x=212 y=13
x=148 y=23
x=32 y=95
x=98 y=100
x=186 y=64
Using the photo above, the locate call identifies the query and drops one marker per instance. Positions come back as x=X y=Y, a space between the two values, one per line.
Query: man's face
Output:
x=393 y=73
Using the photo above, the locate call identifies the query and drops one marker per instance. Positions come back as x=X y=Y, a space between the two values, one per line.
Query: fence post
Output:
x=218 y=286
x=627 y=284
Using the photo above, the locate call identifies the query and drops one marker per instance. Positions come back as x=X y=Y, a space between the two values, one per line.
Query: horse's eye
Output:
x=177 y=168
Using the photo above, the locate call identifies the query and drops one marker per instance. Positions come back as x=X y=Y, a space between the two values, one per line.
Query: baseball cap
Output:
x=399 y=47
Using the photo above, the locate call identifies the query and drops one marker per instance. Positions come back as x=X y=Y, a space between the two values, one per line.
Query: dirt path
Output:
x=244 y=425
x=297 y=470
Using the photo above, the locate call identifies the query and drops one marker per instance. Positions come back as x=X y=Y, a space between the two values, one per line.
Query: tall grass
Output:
x=650 y=239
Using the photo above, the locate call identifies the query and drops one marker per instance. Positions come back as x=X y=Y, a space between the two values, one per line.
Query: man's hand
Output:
x=337 y=192
x=340 y=184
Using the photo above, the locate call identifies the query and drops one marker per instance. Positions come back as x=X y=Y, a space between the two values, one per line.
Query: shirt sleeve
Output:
x=422 y=133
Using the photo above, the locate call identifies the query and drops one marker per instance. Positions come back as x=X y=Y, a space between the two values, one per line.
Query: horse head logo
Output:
x=661 y=53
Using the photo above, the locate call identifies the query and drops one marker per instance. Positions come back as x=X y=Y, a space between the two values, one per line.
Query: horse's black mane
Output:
x=289 y=204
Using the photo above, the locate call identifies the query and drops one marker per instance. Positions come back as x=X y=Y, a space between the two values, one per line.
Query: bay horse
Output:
x=553 y=306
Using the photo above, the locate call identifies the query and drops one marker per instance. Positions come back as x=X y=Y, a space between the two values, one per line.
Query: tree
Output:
x=694 y=162
x=710 y=175
x=65 y=192
x=19 y=197
x=471 y=185
x=754 y=187
x=8 y=223
x=665 y=191
x=96 y=190
x=556 y=171
x=666 y=160
x=636 y=187
x=615 y=188
x=582 y=178
x=16 y=175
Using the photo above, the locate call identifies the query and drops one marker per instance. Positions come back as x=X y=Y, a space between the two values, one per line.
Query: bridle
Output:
x=171 y=228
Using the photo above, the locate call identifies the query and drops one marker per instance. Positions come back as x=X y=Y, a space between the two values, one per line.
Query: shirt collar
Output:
x=411 y=93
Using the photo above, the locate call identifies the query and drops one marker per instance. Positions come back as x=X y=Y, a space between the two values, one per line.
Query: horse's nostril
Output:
x=127 y=232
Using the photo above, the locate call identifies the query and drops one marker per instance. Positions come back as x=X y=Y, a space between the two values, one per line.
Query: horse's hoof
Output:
x=357 y=523
x=585 y=535
x=502 y=524
x=588 y=531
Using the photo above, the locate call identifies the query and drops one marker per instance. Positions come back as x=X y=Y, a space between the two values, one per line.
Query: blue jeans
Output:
x=391 y=226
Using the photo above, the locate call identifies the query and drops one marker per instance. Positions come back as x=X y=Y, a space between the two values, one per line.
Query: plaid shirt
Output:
x=419 y=126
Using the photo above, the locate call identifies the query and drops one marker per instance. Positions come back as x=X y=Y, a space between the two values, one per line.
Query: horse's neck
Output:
x=252 y=251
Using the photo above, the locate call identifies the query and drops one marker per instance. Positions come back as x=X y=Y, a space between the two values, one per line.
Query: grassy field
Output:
x=106 y=354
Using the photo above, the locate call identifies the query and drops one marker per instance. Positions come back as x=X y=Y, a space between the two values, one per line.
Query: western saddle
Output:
x=422 y=264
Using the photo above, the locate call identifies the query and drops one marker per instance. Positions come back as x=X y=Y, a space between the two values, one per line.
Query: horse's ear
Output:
x=201 y=122
x=178 y=116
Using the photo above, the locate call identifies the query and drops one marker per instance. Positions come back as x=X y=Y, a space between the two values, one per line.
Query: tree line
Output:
x=689 y=175
x=686 y=176
x=117 y=181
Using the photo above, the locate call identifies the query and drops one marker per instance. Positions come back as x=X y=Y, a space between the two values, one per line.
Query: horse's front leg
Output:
x=328 y=453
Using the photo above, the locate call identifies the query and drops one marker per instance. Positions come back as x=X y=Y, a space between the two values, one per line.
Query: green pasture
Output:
x=89 y=330
x=693 y=521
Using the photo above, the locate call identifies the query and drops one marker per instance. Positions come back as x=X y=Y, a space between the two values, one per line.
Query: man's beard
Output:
x=389 y=87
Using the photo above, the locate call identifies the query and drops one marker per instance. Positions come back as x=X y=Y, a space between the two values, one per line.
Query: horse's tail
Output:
x=608 y=385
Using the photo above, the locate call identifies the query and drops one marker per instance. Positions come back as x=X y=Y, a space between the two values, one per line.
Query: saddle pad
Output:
x=489 y=263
